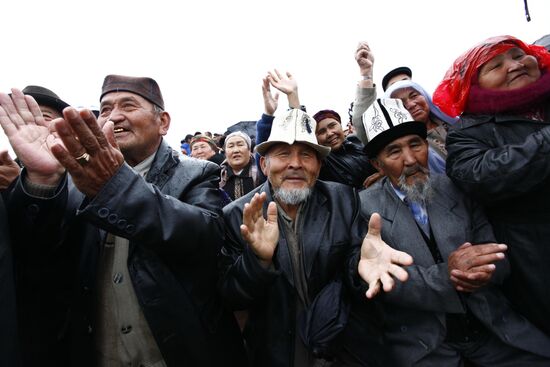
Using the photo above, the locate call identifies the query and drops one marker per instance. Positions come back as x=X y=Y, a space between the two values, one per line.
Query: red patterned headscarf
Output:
x=452 y=93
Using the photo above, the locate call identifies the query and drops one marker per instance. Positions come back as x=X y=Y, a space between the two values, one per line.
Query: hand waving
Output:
x=261 y=234
x=30 y=137
x=379 y=262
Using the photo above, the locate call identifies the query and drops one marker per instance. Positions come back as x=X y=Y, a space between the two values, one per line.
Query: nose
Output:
x=295 y=161
x=514 y=65
x=409 y=103
x=409 y=159
x=116 y=115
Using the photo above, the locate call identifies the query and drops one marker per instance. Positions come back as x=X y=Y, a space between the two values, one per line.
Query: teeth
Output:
x=118 y=130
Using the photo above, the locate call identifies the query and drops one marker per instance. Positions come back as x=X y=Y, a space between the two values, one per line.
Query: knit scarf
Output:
x=529 y=100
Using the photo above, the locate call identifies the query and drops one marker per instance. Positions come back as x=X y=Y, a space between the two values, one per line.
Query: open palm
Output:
x=29 y=134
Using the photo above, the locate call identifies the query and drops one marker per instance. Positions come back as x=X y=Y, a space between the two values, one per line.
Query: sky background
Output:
x=209 y=56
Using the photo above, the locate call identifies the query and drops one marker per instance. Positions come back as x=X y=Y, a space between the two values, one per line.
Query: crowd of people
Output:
x=417 y=236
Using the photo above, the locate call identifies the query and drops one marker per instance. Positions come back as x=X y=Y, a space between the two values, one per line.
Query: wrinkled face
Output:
x=138 y=127
x=397 y=78
x=404 y=156
x=415 y=103
x=49 y=113
x=202 y=150
x=512 y=69
x=329 y=133
x=237 y=152
x=290 y=167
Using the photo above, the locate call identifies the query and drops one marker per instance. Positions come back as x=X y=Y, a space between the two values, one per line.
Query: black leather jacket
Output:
x=173 y=222
x=332 y=227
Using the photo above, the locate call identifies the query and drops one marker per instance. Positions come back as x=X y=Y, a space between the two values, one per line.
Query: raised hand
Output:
x=471 y=267
x=261 y=234
x=90 y=155
x=9 y=170
x=379 y=262
x=365 y=59
x=286 y=84
x=271 y=101
x=30 y=137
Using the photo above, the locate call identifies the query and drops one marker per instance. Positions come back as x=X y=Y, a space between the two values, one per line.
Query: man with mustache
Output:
x=287 y=244
x=120 y=236
x=451 y=308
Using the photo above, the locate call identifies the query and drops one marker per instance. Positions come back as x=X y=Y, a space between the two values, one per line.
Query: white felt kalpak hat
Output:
x=294 y=126
x=386 y=120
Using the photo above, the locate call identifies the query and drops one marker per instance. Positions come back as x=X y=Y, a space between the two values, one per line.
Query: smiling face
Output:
x=138 y=126
x=509 y=70
x=291 y=167
x=406 y=156
x=329 y=133
x=415 y=103
x=237 y=152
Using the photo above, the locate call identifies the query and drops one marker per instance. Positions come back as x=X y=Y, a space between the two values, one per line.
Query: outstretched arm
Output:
x=379 y=263
x=366 y=92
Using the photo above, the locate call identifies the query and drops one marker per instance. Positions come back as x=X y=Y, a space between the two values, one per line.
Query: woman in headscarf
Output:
x=239 y=173
x=419 y=104
x=499 y=152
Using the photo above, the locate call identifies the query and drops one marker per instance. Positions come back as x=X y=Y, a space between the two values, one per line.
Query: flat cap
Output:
x=143 y=86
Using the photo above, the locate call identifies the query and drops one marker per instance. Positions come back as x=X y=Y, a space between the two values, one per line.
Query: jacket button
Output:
x=103 y=212
x=126 y=329
x=404 y=329
x=130 y=228
x=112 y=218
x=121 y=224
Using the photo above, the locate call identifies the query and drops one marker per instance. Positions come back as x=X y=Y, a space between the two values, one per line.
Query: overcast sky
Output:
x=209 y=56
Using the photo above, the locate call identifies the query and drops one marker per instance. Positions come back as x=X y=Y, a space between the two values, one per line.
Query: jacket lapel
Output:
x=445 y=221
x=404 y=232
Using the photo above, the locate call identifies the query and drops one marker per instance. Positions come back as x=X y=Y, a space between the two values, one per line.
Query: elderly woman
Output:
x=239 y=172
x=499 y=152
x=204 y=147
x=419 y=104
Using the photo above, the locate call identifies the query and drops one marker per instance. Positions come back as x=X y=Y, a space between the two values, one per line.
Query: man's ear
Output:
x=376 y=164
x=164 y=123
x=263 y=165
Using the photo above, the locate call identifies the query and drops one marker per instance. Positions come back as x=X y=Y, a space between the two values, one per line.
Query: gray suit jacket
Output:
x=415 y=310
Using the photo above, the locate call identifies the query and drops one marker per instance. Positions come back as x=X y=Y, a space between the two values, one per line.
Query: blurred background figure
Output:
x=204 y=147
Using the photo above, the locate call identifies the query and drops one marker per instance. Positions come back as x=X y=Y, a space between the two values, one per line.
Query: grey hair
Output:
x=240 y=134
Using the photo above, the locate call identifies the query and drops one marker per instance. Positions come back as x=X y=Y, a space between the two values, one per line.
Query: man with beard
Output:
x=451 y=308
x=287 y=268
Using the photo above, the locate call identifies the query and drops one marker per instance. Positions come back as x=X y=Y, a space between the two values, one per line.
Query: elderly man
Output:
x=451 y=308
x=287 y=268
x=119 y=259
x=346 y=163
